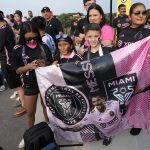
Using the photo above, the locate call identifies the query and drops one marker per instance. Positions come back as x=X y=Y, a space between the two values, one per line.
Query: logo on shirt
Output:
x=121 y=88
x=66 y=103
x=138 y=35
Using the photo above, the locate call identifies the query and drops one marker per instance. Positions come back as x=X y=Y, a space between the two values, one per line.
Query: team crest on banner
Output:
x=66 y=103
x=121 y=88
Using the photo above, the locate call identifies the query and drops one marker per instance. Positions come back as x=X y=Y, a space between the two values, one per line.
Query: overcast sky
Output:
x=57 y=6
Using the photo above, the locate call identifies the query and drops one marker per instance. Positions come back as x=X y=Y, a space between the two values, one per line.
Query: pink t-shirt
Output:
x=107 y=33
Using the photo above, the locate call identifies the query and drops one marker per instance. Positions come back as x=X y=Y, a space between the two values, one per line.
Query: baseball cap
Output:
x=45 y=8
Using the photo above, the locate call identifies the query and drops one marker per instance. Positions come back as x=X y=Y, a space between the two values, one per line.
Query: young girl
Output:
x=30 y=54
x=66 y=51
x=95 y=49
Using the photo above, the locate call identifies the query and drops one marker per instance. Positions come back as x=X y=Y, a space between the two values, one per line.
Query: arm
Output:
x=27 y=67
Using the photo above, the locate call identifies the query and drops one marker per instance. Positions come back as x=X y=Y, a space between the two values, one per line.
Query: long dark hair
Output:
x=134 y=6
x=100 y=10
x=26 y=27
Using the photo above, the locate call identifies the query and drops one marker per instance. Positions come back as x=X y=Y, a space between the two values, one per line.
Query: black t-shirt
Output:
x=89 y=55
x=23 y=56
x=60 y=60
x=131 y=35
x=7 y=42
x=80 y=26
x=73 y=27
x=120 y=23
x=17 y=26
x=53 y=27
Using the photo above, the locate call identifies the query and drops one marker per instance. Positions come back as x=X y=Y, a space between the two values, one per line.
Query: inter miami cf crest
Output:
x=66 y=103
x=121 y=88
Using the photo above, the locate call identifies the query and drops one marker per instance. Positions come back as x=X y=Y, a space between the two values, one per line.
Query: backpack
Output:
x=39 y=137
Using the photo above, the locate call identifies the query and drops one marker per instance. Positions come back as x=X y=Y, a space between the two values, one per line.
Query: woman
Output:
x=95 y=14
x=17 y=24
x=30 y=54
x=135 y=32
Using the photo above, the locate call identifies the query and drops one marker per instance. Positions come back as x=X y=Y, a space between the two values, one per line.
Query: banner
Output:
x=125 y=2
x=88 y=101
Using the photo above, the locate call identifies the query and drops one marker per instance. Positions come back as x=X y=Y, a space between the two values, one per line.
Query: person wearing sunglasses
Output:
x=66 y=50
x=137 y=29
x=135 y=32
x=27 y=56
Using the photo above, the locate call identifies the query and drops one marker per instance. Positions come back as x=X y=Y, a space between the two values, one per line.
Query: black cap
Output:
x=18 y=12
x=45 y=8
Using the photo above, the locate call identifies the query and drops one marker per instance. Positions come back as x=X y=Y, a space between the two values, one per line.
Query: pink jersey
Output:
x=107 y=122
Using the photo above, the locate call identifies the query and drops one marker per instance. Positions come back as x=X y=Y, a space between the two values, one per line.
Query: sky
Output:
x=57 y=6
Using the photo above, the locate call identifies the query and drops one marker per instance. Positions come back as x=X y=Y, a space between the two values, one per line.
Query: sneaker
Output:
x=2 y=88
x=21 y=144
x=18 y=98
x=135 y=131
x=20 y=112
x=14 y=95
x=106 y=141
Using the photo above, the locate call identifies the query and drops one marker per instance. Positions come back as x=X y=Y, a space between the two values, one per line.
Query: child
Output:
x=30 y=54
x=46 y=38
x=93 y=43
x=66 y=51
x=95 y=48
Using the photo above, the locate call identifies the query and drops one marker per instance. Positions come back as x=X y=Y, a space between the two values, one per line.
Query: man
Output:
x=105 y=116
x=122 y=20
x=82 y=22
x=53 y=25
x=30 y=14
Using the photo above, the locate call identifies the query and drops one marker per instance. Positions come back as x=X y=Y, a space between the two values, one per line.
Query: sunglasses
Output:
x=140 y=12
x=63 y=36
x=31 y=38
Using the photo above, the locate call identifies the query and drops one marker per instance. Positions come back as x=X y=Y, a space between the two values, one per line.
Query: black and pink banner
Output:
x=121 y=79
